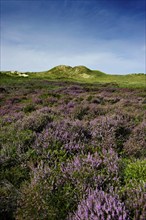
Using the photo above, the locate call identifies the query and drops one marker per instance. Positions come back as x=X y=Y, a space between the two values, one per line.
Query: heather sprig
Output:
x=100 y=206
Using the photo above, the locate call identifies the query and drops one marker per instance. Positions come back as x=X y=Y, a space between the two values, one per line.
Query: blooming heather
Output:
x=100 y=206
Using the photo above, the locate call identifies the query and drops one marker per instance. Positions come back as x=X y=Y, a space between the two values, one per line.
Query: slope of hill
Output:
x=77 y=72
x=81 y=74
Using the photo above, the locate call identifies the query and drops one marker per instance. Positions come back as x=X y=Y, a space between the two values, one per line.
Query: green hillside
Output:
x=80 y=74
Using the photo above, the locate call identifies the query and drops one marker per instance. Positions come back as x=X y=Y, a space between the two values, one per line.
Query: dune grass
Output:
x=78 y=74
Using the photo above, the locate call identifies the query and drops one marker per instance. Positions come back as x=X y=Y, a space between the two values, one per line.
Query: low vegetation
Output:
x=70 y=148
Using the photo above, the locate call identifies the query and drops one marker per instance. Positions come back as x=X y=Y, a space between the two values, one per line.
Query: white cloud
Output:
x=24 y=59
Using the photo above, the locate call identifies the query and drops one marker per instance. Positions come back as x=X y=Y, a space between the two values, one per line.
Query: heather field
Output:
x=72 y=149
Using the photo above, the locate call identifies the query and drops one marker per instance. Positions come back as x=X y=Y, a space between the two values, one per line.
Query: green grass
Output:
x=77 y=74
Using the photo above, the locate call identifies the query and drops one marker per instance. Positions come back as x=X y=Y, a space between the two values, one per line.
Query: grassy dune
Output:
x=83 y=75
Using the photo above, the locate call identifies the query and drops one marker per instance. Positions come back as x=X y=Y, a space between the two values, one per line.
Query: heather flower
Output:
x=135 y=198
x=136 y=144
x=72 y=150
x=36 y=121
x=93 y=169
x=100 y=206
x=71 y=135
x=37 y=100
x=12 y=117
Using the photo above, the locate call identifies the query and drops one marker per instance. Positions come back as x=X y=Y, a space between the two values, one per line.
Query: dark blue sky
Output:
x=102 y=34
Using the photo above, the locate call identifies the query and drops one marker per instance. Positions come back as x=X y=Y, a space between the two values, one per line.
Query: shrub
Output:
x=135 y=171
x=47 y=196
x=80 y=112
x=14 y=142
x=29 y=108
x=135 y=145
x=93 y=170
x=15 y=174
x=135 y=197
x=89 y=98
x=100 y=205
x=8 y=200
x=36 y=121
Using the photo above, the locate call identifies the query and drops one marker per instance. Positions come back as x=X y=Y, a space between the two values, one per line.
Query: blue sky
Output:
x=108 y=35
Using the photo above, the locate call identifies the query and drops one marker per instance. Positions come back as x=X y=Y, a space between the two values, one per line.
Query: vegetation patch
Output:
x=72 y=148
